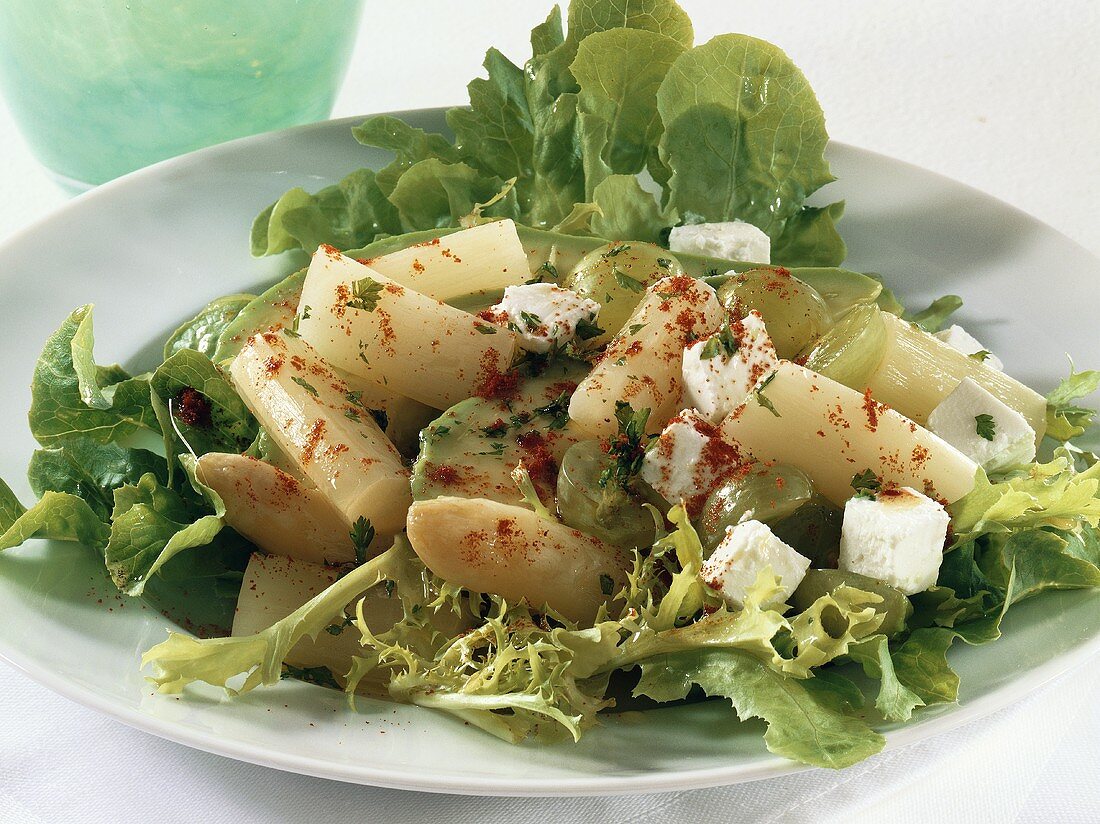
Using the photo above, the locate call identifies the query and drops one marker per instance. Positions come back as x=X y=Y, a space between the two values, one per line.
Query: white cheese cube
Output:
x=896 y=536
x=720 y=371
x=748 y=549
x=543 y=315
x=677 y=465
x=958 y=338
x=734 y=240
x=983 y=427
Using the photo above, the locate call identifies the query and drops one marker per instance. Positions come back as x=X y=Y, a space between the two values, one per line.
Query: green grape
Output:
x=895 y=607
x=852 y=350
x=769 y=493
x=609 y=512
x=813 y=530
x=793 y=311
x=616 y=276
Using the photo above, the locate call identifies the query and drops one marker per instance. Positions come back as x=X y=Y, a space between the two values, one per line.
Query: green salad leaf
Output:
x=58 y=516
x=91 y=471
x=744 y=136
x=151 y=524
x=935 y=316
x=71 y=395
x=725 y=130
x=1065 y=419
x=801 y=726
x=203 y=331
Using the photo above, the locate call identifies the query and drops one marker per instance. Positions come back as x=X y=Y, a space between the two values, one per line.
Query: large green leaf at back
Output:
x=58 y=516
x=744 y=134
x=202 y=332
x=619 y=72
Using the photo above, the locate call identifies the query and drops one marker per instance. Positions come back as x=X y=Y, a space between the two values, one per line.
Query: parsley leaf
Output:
x=628 y=449
x=365 y=294
x=635 y=328
x=531 y=321
x=306 y=385
x=615 y=249
x=625 y=281
x=758 y=394
x=866 y=484
x=985 y=426
x=587 y=329
x=981 y=356
x=721 y=342
x=485 y=328
x=547 y=269
x=362 y=533
x=557 y=410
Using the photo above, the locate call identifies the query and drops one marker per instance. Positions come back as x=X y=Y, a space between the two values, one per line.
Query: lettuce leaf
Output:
x=224 y=424
x=202 y=332
x=801 y=726
x=183 y=659
x=1065 y=419
x=58 y=516
x=935 y=316
x=585 y=108
x=733 y=109
x=71 y=395
x=152 y=523
x=91 y=471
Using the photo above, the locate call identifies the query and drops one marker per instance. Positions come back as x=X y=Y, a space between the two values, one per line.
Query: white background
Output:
x=1001 y=95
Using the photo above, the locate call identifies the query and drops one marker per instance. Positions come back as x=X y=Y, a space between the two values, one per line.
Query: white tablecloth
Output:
x=998 y=93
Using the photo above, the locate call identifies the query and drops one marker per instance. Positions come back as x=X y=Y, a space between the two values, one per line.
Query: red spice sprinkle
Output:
x=442 y=474
x=506 y=528
x=538 y=460
x=332 y=251
x=313 y=440
x=418 y=267
x=873 y=409
x=193 y=408
x=492 y=383
x=272 y=366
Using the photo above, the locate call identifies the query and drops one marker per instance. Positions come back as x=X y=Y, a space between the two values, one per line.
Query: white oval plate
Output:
x=153 y=247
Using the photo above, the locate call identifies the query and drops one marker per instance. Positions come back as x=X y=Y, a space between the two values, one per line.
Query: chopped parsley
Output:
x=305 y=312
x=985 y=426
x=866 y=484
x=497 y=449
x=531 y=321
x=362 y=533
x=758 y=394
x=547 y=269
x=981 y=356
x=587 y=329
x=721 y=342
x=625 y=281
x=615 y=250
x=485 y=328
x=635 y=328
x=306 y=385
x=664 y=263
x=557 y=410
x=628 y=448
x=336 y=629
x=440 y=432
x=497 y=430
x=365 y=293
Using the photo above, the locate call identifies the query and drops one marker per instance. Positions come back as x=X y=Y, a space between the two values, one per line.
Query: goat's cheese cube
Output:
x=897 y=537
x=733 y=240
x=543 y=315
x=720 y=371
x=748 y=549
x=984 y=428
x=679 y=465
x=958 y=338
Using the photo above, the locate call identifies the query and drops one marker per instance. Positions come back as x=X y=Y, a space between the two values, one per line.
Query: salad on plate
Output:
x=576 y=409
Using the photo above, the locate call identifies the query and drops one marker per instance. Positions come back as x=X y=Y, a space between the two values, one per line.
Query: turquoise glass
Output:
x=102 y=87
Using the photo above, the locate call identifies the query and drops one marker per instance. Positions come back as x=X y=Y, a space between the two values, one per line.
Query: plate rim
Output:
x=767 y=766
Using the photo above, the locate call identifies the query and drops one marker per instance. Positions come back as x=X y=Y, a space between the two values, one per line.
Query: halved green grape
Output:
x=814 y=531
x=852 y=350
x=793 y=311
x=609 y=512
x=895 y=607
x=616 y=276
x=841 y=289
x=769 y=493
